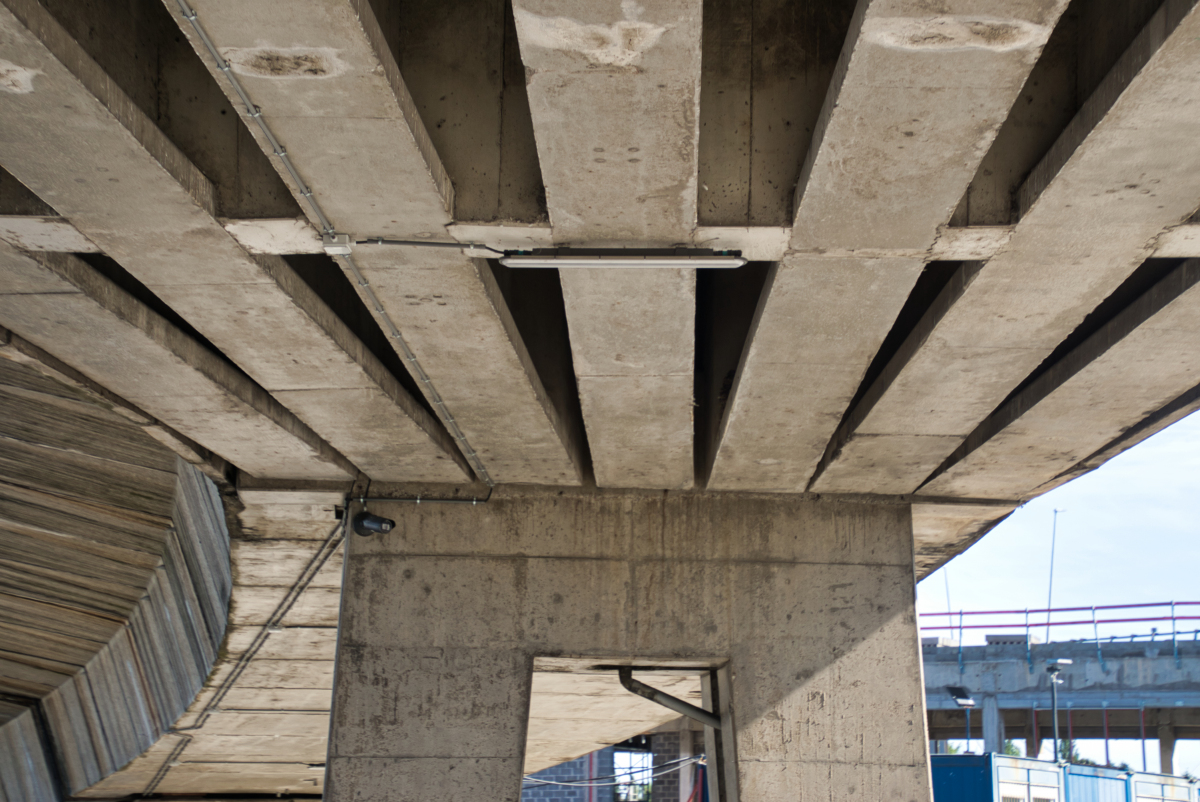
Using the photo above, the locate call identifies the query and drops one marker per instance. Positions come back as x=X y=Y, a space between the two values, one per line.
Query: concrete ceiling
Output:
x=971 y=238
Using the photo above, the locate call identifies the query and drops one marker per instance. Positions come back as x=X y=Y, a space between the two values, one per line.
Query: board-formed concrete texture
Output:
x=269 y=234
x=795 y=601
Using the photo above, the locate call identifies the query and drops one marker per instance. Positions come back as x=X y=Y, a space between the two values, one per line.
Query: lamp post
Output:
x=962 y=698
x=1053 y=667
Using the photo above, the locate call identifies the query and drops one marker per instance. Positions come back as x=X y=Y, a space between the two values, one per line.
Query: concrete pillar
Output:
x=807 y=605
x=1166 y=748
x=1033 y=738
x=993 y=725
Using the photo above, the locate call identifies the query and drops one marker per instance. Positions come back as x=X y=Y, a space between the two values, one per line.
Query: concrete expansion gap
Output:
x=726 y=302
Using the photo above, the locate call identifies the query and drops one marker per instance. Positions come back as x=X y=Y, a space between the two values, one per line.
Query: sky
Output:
x=1127 y=533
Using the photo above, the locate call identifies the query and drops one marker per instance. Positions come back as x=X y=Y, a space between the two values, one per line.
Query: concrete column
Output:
x=1033 y=738
x=1166 y=748
x=807 y=606
x=993 y=725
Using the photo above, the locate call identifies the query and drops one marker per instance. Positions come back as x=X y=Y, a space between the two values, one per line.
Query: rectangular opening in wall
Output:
x=579 y=706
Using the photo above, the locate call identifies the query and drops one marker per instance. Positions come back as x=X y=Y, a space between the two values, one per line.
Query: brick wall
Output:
x=600 y=766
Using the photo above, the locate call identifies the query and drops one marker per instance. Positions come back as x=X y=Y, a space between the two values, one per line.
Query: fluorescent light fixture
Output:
x=618 y=259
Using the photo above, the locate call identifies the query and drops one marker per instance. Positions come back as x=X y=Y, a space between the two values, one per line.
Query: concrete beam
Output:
x=347 y=120
x=614 y=90
x=817 y=326
x=915 y=102
x=64 y=306
x=70 y=136
x=1119 y=175
x=949 y=80
x=1136 y=364
x=454 y=317
x=633 y=341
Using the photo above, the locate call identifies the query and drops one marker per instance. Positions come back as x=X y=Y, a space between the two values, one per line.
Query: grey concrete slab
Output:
x=943 y=530
x=328 y=87
x=915 y=102
x=614 y=90
x=61 y=304
x=452 y=314
x=1091 y=213
x=352 y=127
x=816 y=329
x=633 y=343
x=817 y=640
x=76 y=131
x=1136 y=364
x=917 y=98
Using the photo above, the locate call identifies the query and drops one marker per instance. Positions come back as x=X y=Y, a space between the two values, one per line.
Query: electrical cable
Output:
x=591 y=782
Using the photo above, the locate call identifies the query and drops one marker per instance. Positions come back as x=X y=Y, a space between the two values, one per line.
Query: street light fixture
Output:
x=962 y=698
x=1053 y=667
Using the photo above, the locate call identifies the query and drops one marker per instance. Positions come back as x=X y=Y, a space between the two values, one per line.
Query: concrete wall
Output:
x=806 y=605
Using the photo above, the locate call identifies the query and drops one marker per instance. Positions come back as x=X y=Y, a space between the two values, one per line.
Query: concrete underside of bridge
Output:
x=264 y=236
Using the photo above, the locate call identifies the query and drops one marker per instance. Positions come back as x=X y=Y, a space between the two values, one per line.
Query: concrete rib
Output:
x=1119 y=176
x=915 y=102
x=614 y=90
x=1139 y=362
x=75 y=129
x=352 y=128
x=59 y=303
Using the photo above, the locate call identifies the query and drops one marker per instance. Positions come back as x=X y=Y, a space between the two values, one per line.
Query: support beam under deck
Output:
x=915 y=102
x=1121 y=173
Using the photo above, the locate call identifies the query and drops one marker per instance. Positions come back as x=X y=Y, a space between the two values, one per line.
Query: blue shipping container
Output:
x=1001 y=778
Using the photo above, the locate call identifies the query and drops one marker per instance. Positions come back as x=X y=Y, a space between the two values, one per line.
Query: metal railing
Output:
x=1173 y=612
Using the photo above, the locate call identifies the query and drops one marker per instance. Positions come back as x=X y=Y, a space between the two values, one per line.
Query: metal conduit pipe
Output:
x=328 y=231
x=667 y=700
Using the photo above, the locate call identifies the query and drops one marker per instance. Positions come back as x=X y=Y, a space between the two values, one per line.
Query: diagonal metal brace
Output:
x=666 y=700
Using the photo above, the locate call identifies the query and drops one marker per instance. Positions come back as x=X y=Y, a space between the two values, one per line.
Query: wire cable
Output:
x=591 y=782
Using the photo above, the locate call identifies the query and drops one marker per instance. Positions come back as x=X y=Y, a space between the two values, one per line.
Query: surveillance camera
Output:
x=366 y=524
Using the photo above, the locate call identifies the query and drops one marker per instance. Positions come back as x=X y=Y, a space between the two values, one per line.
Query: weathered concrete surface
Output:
x=326 y=82
x=339 y=106
x=72 y=136
x=816 y=329
x=614 y=90
x=1118 y=176
x=57 y=302
x=943 y=530
x=809 y=604
x=915 y=102
x=1136 y=364
x=39 y=233
x=917 y=98
x=1132 y=675
x=452 y=314
x=633 y=339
